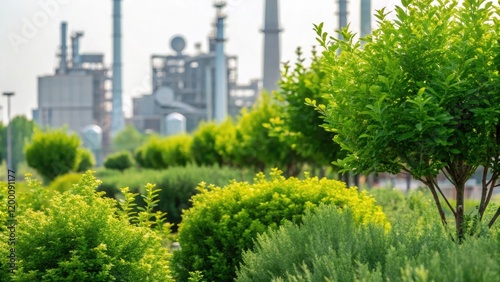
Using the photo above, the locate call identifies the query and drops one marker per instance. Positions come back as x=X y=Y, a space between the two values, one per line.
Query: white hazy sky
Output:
x=147 y=26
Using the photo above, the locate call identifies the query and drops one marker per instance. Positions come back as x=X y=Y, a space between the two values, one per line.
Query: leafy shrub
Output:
x=85 y=160
x=177 y=184
x=119 y=161
x=304 y=251
x=84 y=237
x=161 y=153
x=52 y=153
x=203 y=147
x=329 y=246
x=224 y=221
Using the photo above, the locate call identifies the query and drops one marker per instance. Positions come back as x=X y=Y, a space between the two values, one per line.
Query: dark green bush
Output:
x=329 y=246
x=225 y=221
x=177 y=184
x=119 y=161
x=84 y=237
x=52 y=153
x=85 y=160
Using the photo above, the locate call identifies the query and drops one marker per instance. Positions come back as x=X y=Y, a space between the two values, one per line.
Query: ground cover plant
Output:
x=330 y=246
x=225 y=221
x=421 y=96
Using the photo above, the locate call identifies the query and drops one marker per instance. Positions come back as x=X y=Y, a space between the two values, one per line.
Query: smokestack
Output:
x=63 y=63
x=220 y=66
x=366 y=18
x=117 y=118
x=75 y=49
x=342 y=15
x=271 y=65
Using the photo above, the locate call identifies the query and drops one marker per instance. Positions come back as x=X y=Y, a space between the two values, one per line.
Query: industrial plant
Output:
x=186 y=88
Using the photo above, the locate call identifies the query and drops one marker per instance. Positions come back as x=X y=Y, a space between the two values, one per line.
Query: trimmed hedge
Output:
x=225 y=221
x=177 y=184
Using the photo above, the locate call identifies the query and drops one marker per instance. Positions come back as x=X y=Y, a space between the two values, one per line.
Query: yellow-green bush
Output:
x=161 y=153
x=81 y=236
x=225 y=221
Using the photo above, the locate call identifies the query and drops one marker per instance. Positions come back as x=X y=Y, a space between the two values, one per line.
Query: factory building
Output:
x=75 y=96
x=191 y=85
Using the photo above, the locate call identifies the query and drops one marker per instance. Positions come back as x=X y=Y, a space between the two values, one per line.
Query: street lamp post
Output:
x=9 y=135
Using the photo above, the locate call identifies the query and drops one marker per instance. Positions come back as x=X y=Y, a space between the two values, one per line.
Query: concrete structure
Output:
x=221 y=94
x=272 y=58
x=75 y=96
x=117 y=117
x=342 y=13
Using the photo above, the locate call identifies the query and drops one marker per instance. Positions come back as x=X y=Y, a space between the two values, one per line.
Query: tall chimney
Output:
x=75 y=49
x=342 y=15
x=271 y=65
x=366 y=17
x=63 y=63
x=117 y=118
x=220 y=67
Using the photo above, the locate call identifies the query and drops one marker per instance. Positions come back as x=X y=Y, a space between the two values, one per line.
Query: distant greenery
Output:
x=22 y=131
x=53 y=153
x=119 y=161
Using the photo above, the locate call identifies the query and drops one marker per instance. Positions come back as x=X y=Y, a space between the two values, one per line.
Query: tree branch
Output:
x=437 y=201
x=444 y=197
x=492 y=221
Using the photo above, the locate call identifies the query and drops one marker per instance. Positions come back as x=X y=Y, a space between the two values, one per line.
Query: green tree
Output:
x=128 y=139
x=256 y=146
x=421 y=97
x=298 y=124
x=53 y=153
x=119 y=161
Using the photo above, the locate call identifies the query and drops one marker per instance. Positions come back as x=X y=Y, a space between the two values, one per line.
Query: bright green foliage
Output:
x=330 y=246
x=421 y=96
x=160 y=153
x=256 y=145
x=85 y=160
x=177 y=184
x=224 y=221
x=298 y=124
x=226 y=143
x=128 y=139
x=81 y=238
x=203 y=147
x=52 y=153
x=119 y=161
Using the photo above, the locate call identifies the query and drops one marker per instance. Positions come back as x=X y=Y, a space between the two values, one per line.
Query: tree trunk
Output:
x=459 y=216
